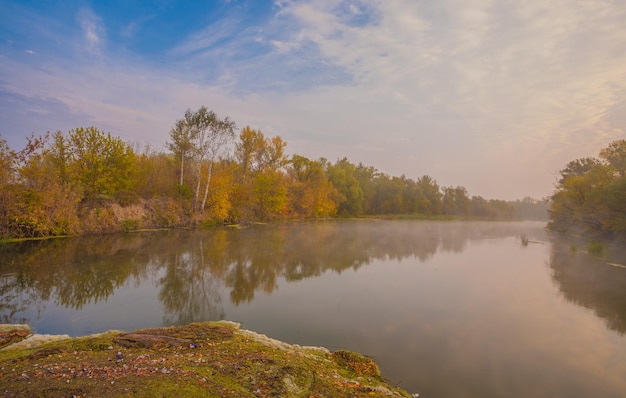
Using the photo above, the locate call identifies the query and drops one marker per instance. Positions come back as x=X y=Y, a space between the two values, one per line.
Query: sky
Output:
x=492 y=95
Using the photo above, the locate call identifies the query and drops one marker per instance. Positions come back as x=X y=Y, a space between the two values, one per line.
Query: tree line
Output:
x=590 y=196
x=88 y=181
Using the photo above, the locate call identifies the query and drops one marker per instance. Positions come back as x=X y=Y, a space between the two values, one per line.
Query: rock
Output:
x=10 y=334
x=36 y=340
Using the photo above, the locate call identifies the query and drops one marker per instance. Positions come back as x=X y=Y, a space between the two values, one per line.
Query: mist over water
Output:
x=445 y=308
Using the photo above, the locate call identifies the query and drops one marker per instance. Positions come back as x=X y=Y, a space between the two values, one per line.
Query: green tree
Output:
x=578 y=167
x=492 y=209
x=366 y=177
x=182 y=137
x=343 y=177
x=429 y=196
x=616 y=204
x=615 y=156
x=456 y=201
x=580 y=200
x=531 y=209
x=102 y=165
x=389 y=194
x=410 y=202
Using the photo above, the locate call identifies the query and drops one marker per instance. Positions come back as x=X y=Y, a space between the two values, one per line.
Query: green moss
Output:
x=199 y=359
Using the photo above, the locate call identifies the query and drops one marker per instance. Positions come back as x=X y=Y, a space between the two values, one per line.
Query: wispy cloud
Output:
x=131 y=28
x=207 y=38
x=93 y=29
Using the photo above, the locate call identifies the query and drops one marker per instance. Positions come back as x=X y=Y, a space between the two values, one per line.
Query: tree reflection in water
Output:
x=592 y=282
x=189 y=289
x=67 y=272
x=191 y=269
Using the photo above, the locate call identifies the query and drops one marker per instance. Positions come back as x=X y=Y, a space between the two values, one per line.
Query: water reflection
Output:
x=592 y=282
x=189 y=289
x=70 y=272
x=446 y=308
x=190 y=268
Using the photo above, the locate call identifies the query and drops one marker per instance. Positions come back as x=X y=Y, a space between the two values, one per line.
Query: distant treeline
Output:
x=87 y=181
x=591 y=194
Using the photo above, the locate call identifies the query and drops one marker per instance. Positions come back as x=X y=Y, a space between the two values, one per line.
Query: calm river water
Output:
x=447 y=309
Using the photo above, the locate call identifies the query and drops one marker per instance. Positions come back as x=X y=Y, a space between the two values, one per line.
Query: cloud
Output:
x=92 y=27
x=492 y=97
x=527 y=78
x=207 y=38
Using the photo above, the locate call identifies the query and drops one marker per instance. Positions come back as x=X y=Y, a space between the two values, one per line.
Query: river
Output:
x=447 y=309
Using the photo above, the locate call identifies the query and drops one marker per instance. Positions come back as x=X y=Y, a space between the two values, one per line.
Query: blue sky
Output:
x=496 y=96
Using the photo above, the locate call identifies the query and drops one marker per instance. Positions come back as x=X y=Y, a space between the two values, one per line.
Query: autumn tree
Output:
x=202 y=138
x=75 y=170
x=249 y=151
x=261 y=191
x=7 y=163
x=313 y=195
x=219 y=202
x=30 y=208
x=156 y=174
x=269 y=198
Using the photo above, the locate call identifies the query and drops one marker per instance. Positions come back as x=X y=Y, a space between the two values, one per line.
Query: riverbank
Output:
x=212 y=359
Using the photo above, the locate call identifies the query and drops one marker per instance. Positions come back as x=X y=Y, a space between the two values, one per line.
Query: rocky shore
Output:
x=213 y=359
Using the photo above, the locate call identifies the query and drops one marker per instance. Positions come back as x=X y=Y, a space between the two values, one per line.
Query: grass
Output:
x=524 y=240
x=596 y=248
x=200 y=359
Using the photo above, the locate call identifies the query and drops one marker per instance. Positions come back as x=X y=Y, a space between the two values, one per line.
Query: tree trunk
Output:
x=206 y=188
x=182 y=167
x=197 y=196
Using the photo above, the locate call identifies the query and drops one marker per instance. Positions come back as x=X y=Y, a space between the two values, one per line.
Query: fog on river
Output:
x=447 y=309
